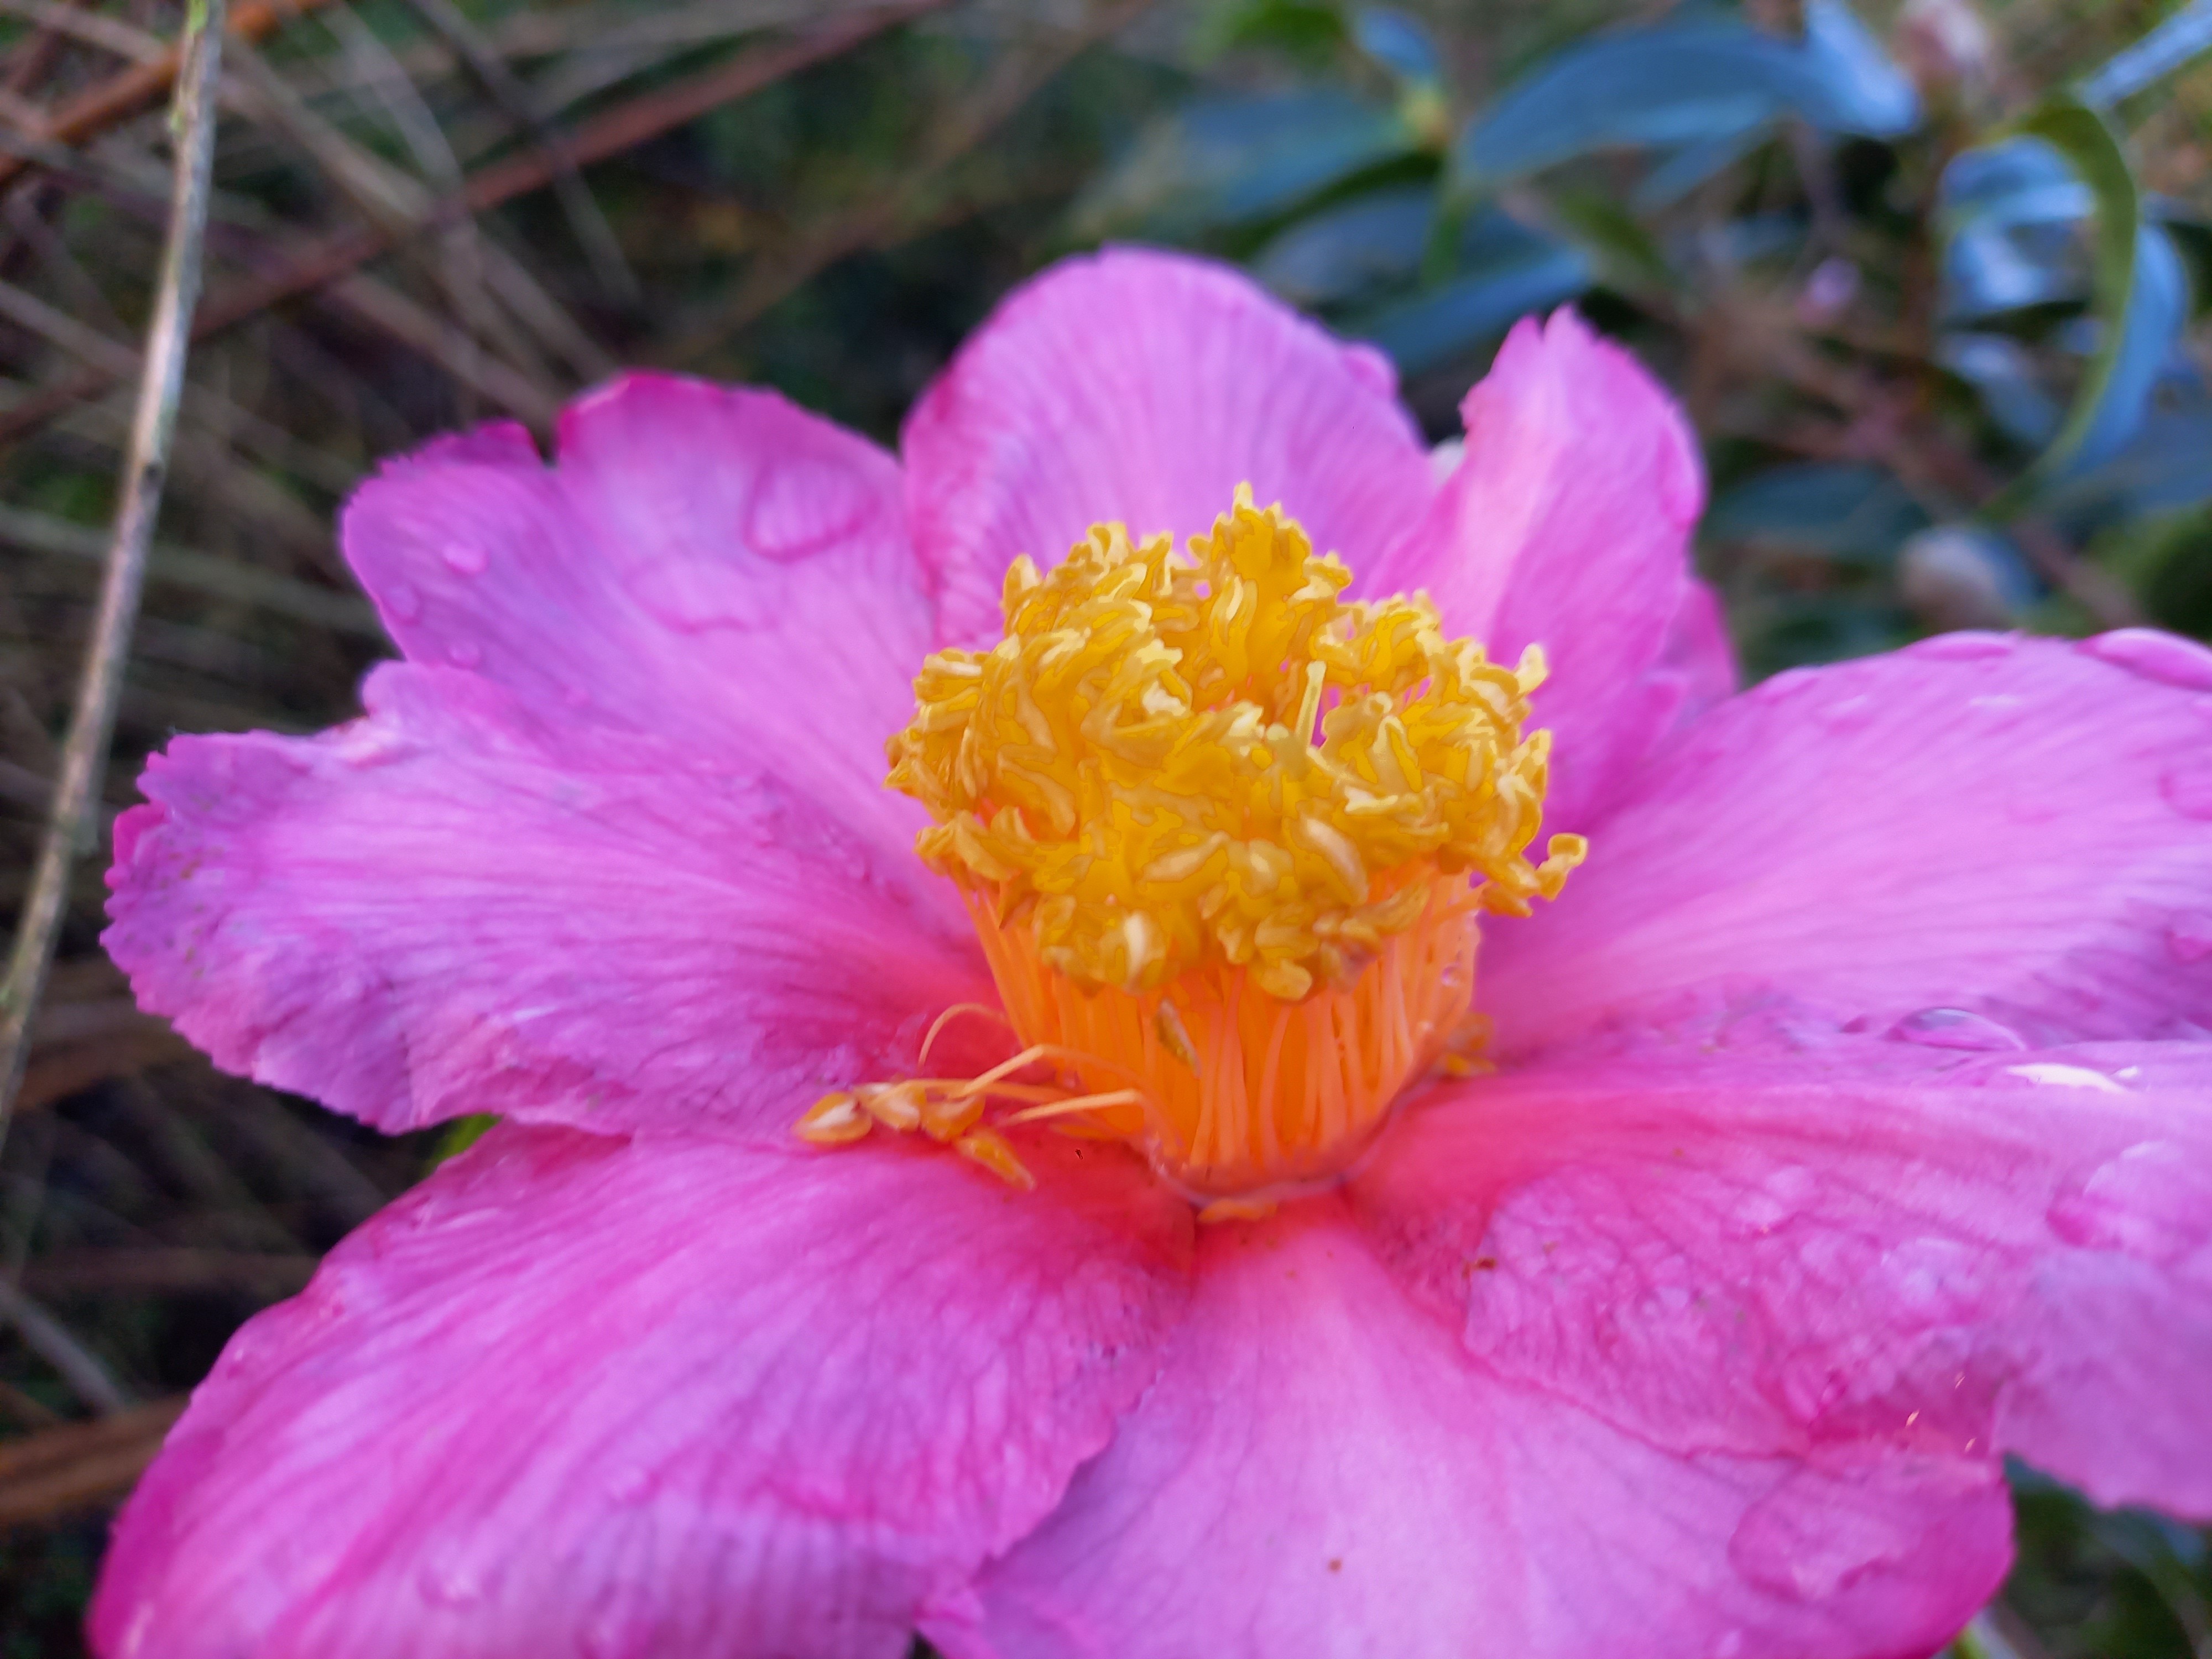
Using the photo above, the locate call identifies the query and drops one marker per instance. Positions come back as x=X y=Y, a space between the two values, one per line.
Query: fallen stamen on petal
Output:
x=1226 y=841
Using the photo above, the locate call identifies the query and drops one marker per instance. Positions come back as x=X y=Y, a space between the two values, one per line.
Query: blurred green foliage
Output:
x=1941 y=335
x=1940 y=330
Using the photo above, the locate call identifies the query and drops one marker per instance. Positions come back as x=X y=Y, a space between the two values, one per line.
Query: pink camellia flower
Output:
x=1676 y=1286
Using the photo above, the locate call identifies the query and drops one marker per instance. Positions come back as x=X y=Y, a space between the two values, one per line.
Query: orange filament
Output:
x=1225 y=839
x=1230 y=1090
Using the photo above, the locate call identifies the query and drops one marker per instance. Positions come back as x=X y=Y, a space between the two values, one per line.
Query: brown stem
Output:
x=70 y=826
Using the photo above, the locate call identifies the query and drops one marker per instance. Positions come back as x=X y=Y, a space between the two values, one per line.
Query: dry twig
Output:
x=622 y=128
x=85 y=754
x=74 y=1465
x=118 y=99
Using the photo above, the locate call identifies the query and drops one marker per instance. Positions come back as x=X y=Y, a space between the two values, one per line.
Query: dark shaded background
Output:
x=1949 y=372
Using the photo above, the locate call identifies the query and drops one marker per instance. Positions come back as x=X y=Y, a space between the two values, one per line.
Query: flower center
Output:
x=1225 y=839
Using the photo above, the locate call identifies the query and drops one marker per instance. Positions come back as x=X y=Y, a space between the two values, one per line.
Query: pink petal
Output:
x=1877 y=1252
x=1699 y=652
x=1319 y=1472
x=1567 y=527
x=2016 y=828
x=582 y=1398
x=451 y=905
x=1144 y=386
x=701 y=563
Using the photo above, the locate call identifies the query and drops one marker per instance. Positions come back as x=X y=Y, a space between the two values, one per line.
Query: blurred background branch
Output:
x=1929 y=275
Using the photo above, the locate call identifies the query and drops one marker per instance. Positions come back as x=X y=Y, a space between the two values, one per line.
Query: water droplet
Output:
x=1816 y=1532
x=2189 y=939
x=1956 y=1028
x=465 y=653
x=465 y=558
x=366 y=743
x=1968 y=645
x=630 y=1484
x=691 y=592
x=2154 y=1200
x=2051 y=1074
x=803 y=506
x=2154 y=655
x=450 y=1584
x=2188 y=789
x=402 y=601
x=1931 y=1281
x=1777 y=1200
x=1848 y=713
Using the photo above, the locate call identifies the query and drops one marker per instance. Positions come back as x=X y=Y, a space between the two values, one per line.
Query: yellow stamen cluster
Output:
x=1133 y=775
x=1226 y=841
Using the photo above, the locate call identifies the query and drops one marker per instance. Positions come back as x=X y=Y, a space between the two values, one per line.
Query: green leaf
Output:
x=1627 y=256
x=1684 y=83
x=2082 y=136
x=461 y=1133
x=2178 y=40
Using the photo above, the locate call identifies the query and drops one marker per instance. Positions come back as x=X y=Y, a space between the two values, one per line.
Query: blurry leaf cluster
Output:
x=1931 y=280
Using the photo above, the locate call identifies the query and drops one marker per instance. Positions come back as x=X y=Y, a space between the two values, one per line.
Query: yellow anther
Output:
x=894 y=1105
x=834 y=1120
x=991 y=1151
x=1172 y=1037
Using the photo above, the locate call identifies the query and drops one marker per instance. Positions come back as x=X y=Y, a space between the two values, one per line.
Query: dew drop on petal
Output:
x=801 y=507
x=402 y=601
x=1956 y=1028
x=465 y=653
x=1817 y=1531
x=465 y=558
x=2002 y=711
x=1777 y=1200
x=448 y=1583
x=630 y=1484
x=1930 y=1282
x=1968 y=645
x=2052 y=1074
x=2154 y=655
x=1848 y=713
x=2188 y=789
x=2153 y=1201
x=366 y=742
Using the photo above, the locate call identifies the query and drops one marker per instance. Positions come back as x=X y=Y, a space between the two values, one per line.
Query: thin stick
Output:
x=118 y=99
x=85 y=1372
x=621 y=128
x=70 y=827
